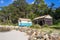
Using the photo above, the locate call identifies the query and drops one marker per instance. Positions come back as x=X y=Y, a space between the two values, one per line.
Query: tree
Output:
x=21 y=9
x=39 y=6
x=21 y=6
x=57 y=13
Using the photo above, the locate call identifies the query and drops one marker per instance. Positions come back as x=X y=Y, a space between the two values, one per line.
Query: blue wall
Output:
x=27 y=24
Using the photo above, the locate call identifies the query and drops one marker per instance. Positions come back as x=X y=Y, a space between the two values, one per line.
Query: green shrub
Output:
x=35 y=26
x=45 y=25
x=55 y=26
x=50 y=31
x=56 y=22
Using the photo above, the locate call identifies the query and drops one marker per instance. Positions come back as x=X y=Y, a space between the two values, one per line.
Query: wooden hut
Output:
x=46 y=19
x=24 y=22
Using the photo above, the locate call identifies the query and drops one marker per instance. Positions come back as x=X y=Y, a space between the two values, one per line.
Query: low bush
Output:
x=45 y=25
x=35 y=26
x=50 y=31
x=55 y=26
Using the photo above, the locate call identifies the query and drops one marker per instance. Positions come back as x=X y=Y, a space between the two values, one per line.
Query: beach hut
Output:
x=23 y=22
x=41 y=20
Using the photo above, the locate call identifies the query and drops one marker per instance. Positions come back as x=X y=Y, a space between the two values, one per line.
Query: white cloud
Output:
x=12 y=0
x=32 y=2
x=2 y=1
x=0 y=8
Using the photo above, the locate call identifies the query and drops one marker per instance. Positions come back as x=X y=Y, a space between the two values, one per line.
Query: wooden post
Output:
x=37 y=21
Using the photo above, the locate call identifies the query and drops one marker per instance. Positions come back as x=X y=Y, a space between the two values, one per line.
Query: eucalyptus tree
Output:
x=21 y=7
x=39 y=7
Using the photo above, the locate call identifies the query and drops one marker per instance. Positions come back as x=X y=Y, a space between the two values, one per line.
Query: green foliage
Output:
x=45 y=25
x=50 y=31
x=57 y=22
x=55 y=26
x=35 y=26
x=21 y=9
x=31 y=16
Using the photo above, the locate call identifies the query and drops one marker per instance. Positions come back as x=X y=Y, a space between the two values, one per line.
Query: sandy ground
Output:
x=13 y=35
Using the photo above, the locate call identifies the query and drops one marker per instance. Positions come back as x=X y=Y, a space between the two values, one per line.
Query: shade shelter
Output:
x=41 y=20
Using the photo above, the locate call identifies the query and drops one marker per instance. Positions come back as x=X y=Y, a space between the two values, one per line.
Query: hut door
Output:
x=40 y=22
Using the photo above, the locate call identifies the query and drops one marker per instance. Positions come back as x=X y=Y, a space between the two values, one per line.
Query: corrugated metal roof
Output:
x=45 y=16
x=48 y=16
x=24 y=19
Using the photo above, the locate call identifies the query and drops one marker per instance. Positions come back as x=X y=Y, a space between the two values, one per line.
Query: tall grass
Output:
x=36 y=26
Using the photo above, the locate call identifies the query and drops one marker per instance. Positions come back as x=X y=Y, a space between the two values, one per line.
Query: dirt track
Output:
x=13 y=35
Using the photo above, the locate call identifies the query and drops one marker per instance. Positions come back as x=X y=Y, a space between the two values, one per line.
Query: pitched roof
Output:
x=24 y=19
x=45 y=16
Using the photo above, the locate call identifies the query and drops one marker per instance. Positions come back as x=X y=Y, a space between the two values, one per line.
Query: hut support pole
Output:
x=37 y=21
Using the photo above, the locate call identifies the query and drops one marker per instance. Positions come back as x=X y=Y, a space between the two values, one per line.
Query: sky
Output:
x=5 y=2
x=48 y=2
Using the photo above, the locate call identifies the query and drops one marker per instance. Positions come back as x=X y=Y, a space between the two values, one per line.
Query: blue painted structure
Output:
x=24 y=22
